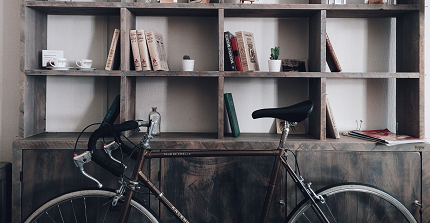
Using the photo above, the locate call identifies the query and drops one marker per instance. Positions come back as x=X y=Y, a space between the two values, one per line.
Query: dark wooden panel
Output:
x=221 y=108
x=425 y=200
x=220 y=189
x=410 y=107
x=317 y=42
x=34 y=104
x=398 y=173
x=317 y=93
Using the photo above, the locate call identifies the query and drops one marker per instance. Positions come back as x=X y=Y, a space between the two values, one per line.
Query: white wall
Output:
x=9 y=76
x=354 y=50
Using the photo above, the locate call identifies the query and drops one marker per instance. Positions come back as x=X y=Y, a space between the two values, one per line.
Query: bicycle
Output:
x=325 y=205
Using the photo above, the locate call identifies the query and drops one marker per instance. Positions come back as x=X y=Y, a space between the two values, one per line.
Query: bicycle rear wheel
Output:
x=353 y=203
x=89 y=206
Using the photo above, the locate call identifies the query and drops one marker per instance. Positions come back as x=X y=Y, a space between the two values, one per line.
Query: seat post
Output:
x=285 y=131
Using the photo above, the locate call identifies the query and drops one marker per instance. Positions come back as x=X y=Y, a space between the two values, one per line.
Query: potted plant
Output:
x=274 y=62
x=187 y=63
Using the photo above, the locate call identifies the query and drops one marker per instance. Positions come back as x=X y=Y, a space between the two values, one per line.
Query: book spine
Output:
x=236 y=54
x=135 y=50
x=162 y=52
x=112 y=49
x=332 y=61
x=157 y=52
x=242 y=50
x=251 y=52
x=331 y=124
x=152 y=47
x=143 y=50
x=229 y=64
x=231 y=113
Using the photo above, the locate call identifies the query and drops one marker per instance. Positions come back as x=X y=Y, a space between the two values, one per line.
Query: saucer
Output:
x=59 y=68
x=81 y=68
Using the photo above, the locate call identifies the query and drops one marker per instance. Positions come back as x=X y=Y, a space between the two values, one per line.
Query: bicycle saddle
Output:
x=293 y=113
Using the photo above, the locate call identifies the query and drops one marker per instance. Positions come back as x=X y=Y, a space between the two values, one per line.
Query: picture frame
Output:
x=299 y=65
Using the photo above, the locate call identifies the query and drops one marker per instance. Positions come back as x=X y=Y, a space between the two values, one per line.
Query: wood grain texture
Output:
x=221 y=107
x=317 y=42
x=425 y=201
x=317 y=119
x=128 y=22
x=398 y=173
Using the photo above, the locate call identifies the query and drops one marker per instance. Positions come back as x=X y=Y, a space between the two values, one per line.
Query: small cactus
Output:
x=274 y=53
x=186 y=57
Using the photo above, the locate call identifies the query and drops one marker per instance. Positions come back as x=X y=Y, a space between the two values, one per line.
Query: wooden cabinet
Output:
x=209 y=189
x=39 y=155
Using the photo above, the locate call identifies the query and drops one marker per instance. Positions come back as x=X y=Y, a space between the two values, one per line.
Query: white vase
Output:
x=187 y=65
x=274 y=65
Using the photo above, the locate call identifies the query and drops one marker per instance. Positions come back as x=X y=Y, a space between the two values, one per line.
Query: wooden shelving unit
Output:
x=409 y=77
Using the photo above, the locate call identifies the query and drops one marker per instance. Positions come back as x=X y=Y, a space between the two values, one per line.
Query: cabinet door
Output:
x=222 y=189
x=398 y=173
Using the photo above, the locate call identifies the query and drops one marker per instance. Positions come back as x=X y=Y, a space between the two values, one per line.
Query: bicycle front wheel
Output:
x=89 y=206
x=353 y=203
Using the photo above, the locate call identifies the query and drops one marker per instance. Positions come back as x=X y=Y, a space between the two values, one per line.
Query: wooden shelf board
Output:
x=248 y=74
x=75 y=8
x=209 y=141
x=211 y=9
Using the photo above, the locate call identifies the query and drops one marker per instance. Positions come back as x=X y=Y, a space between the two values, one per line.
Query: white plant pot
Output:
x=274 y=65
x=187 y=65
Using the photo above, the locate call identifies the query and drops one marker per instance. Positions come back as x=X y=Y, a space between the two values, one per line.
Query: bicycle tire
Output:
x=89 y=206
x=371 y=205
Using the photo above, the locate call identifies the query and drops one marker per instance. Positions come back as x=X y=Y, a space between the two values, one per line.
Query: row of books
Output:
x=148 y=50
x=239 y=52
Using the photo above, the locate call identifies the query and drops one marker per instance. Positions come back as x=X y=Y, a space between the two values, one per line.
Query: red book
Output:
x=236 y=54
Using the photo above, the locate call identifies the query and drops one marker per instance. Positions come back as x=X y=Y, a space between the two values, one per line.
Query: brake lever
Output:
x=111 y=147
x=80 y=160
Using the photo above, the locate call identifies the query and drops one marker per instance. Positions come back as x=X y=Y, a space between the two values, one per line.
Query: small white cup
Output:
x=58 y=62
x=84 y=63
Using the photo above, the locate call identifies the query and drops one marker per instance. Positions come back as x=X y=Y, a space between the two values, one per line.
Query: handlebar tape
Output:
x=99 y=156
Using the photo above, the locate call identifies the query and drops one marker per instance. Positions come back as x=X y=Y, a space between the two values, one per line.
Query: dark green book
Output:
x=113 y=112
x=231 y=113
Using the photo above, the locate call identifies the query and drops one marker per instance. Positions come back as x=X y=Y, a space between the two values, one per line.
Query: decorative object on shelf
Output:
x=187 y=63
x=143 y=50
x=274 y=62
x=112 y=50
x=58 y=62
x=198 y=1
x=247 y=51
x=156 y=118
x=231 y=113
x=135 y=50
x=300 y=65
x=229 y=63
x=243 y=1
x=341 y=2
x=84 y=63
x=48 y=55
x=157 y=50
x=332 y=61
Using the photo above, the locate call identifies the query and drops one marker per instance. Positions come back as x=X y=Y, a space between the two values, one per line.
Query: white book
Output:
x=143 y=50
x=157 y=50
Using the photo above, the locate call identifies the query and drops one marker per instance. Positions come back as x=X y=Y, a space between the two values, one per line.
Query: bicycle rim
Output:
x=92 y=206
x=354 y=203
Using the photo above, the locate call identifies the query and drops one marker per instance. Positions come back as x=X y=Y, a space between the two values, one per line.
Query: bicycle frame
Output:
x=279 y=153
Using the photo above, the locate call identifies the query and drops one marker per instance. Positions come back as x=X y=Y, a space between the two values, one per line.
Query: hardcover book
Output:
x=229 y=64
x=332 y=61
x=157 y=50
x=384 y=136
x=112 y=50
x=113 y=112
x=236 y=54
x=135 y=50
x=331 y=124
x=231 y=113
x=143 y=50
x=247 y=52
